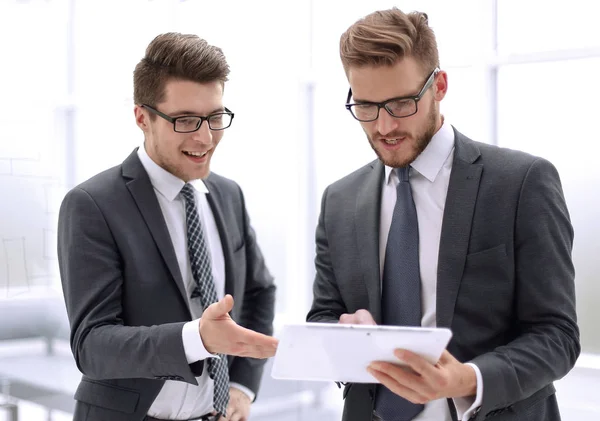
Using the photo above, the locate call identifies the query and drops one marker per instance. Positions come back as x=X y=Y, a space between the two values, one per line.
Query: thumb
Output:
x=220 y=308
x=226 y=304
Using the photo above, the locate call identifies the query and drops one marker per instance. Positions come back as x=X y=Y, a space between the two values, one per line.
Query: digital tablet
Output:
x=341 y=352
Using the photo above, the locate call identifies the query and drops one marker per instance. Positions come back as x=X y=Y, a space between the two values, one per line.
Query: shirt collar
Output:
x=430 y=161
x=163 y=181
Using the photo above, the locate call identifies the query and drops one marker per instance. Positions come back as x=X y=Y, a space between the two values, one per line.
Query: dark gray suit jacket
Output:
x=125 y=296
x=505 y=281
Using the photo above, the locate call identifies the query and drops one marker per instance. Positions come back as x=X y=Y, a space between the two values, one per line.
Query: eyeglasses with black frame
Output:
x=192 y=123
x=399 y=107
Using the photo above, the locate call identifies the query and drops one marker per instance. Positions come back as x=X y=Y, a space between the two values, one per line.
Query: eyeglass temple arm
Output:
x=348 y=98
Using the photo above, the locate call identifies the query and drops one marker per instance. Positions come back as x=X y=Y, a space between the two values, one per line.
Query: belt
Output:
x=207 y=417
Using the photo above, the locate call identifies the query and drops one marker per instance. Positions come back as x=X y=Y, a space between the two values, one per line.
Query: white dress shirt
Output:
x=180 y=400
x=429 y=177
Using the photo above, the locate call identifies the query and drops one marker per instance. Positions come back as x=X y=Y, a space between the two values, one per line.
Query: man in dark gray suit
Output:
x=443 y=231
x=153 y=251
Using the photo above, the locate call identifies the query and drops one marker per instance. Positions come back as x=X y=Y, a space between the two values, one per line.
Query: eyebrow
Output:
x=358 y=100
x=193 y=113
x=365 y=101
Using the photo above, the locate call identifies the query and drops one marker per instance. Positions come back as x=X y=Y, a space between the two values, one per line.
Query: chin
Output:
x=201 y=174
x=396 y=160
x=196 y=173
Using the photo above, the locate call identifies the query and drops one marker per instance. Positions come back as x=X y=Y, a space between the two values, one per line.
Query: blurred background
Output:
x=522 y=74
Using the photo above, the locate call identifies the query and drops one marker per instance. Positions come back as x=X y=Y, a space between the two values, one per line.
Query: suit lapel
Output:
x=215 y=200
x=141 y=190
x=368 y=205
x=456 y=226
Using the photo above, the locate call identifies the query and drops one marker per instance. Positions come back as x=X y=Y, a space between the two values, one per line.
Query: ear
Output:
x=440 y=85
x=142 y=119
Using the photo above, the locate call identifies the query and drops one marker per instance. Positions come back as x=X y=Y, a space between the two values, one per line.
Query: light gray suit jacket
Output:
x=125 y=296
x=505 y=281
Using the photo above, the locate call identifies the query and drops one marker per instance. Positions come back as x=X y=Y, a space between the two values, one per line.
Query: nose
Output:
x=203 y=134
x=386 y=123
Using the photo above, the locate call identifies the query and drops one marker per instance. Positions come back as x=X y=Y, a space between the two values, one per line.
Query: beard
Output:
x=417 y=143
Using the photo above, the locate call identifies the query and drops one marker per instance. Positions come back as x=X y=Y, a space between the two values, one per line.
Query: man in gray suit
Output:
x=442 y=231
x=153 y=251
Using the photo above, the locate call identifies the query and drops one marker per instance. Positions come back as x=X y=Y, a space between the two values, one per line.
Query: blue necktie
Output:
x=401 y=289
x=205 y=291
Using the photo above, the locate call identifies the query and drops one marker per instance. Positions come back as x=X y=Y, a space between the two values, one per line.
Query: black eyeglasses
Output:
x=396 y=107
x=191 y=123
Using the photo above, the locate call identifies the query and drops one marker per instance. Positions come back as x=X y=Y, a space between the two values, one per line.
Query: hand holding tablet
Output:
x=342 y=352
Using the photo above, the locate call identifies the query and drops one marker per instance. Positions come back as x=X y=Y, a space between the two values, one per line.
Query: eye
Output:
x=364 y=110
x=400 y=104
x=187 y=120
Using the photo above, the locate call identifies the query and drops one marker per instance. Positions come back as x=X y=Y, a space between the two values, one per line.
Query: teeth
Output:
x=391 y=141
x=199 y=154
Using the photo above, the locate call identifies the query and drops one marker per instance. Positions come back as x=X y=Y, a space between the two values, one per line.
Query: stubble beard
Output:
x=418 y=143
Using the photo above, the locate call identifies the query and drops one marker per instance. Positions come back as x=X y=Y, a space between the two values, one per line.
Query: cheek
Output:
x=369 y=128
x=170 y=142
x=416 y=122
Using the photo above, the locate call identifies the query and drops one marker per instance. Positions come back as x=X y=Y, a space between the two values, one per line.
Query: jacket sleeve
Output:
x=548 y=344
x=91 y=270
x=327 y=304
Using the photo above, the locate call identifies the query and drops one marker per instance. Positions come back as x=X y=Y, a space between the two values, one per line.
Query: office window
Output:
x=33 y=82
x=110 y=37
x=542 y=25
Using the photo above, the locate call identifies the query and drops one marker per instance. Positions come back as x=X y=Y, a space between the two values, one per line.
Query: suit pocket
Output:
x=485 y=297
x=492 y=262
x=107 y=396
x=492 y=251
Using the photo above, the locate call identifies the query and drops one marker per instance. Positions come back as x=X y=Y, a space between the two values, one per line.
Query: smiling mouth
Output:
x=195 y=154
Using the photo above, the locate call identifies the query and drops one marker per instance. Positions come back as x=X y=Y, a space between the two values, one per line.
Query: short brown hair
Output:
x=176 y=56
x=384 y=37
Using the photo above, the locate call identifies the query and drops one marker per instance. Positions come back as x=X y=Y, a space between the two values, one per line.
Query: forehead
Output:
x=188 y=96
x=378 y=83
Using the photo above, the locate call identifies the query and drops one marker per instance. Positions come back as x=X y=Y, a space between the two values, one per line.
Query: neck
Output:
x=439 y=122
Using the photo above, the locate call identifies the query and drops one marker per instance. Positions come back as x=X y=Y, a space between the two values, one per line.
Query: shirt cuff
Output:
x=468 y=406
x=192 y=343
x=244 y=390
